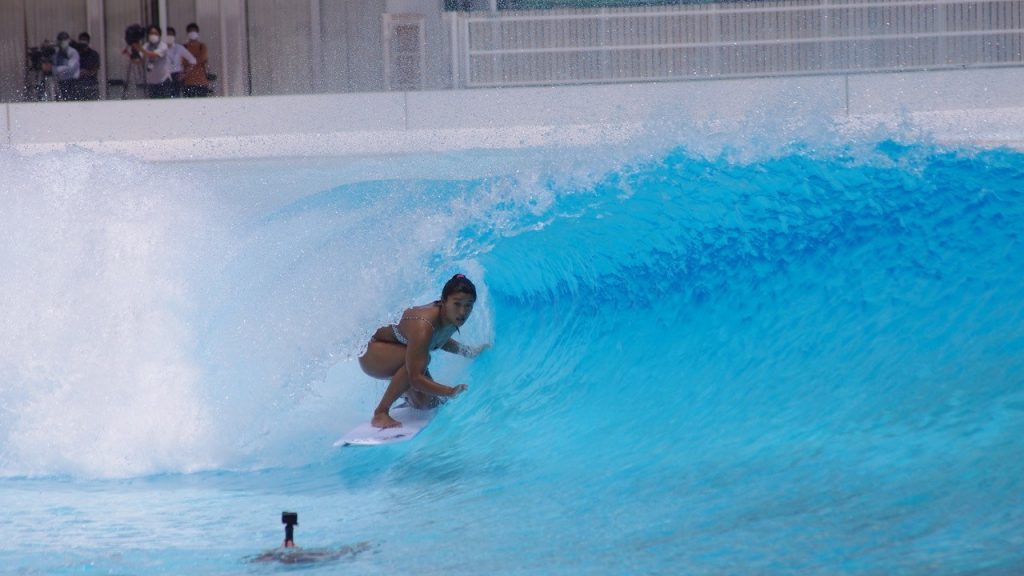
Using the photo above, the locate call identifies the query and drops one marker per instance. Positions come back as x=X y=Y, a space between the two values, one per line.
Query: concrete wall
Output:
x=329 y=46
x=350 y=54
x=436 y=66
x=314 y=46
x=13 y=42
x=957 y=106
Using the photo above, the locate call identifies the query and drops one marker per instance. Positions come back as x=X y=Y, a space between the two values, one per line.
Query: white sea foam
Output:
x=97 y=371
x=170 y=318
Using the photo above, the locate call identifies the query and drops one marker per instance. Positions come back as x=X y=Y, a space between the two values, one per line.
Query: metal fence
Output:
x=734 y=39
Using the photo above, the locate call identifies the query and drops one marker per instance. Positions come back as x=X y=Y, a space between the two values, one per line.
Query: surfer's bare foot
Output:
x=384 y=420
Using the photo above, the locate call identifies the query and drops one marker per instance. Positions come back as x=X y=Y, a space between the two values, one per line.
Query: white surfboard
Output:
x=413 y=420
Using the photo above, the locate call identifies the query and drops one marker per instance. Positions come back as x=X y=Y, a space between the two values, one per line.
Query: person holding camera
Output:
x=65 y=68
x=158 y=66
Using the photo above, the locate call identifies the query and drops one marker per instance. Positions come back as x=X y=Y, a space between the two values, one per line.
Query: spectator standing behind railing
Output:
x=88 y=78
x=65 y=67
x=158 y=65
x=178 y=55
x=194 y=79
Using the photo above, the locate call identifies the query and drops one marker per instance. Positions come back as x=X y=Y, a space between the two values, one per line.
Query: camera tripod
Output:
x=134 y=77
x=39 y=86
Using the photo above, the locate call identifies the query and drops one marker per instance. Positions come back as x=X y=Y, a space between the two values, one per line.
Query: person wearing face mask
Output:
x=65 y=67
x=88 y=79
x=194 y=78
x=158 y=65
x=178 y=56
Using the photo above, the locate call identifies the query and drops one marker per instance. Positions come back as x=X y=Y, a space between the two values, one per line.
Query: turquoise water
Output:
x=809 y=360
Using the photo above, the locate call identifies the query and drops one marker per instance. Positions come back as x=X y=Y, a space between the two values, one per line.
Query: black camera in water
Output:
x=290 y=520
x=39 y=55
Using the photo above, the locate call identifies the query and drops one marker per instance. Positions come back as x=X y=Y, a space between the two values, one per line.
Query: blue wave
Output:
x=800 y=363
x=841 y=326
x=807 y=362
x=840 y=252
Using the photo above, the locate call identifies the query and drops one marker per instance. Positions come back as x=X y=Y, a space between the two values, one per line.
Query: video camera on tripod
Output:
x=133 y=37
x=39 y=55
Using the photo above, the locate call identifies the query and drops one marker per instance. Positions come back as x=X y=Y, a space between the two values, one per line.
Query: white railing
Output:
x=736 y=39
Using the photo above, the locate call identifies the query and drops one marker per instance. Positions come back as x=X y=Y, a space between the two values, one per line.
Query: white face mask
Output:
x=170 y=40
x=193 y=35
x=64 y=44
x=153 y=38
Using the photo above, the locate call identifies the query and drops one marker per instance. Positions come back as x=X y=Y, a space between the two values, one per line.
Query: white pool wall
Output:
x=978 y=106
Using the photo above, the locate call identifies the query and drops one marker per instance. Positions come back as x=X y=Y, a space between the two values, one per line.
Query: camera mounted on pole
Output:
x=290 y=520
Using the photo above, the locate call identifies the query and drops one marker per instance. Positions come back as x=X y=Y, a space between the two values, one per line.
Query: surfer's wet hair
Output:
x=456 y=284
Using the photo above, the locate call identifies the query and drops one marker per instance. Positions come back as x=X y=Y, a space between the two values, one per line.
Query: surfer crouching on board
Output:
x=401 y=351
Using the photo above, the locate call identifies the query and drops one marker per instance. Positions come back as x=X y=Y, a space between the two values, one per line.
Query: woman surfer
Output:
x=401 y=351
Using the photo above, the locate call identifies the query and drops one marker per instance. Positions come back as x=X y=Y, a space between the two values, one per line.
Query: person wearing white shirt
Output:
x=177 y=55
x=66 y=67
x=158 y=65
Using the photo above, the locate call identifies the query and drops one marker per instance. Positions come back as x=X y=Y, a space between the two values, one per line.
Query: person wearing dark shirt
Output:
x=88 y=77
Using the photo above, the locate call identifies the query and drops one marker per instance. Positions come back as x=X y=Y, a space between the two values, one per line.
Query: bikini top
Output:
x=437 y=339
